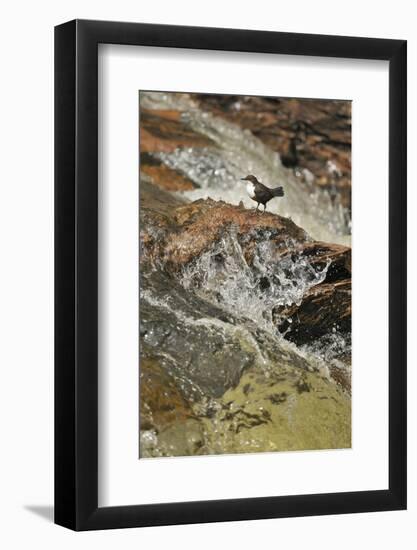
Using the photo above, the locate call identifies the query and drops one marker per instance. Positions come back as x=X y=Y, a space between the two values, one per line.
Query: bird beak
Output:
x=243 y=179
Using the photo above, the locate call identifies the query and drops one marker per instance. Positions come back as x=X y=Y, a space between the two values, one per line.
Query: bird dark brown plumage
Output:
x=259 y=192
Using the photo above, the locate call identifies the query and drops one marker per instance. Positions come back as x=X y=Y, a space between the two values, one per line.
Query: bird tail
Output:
x=278 y=192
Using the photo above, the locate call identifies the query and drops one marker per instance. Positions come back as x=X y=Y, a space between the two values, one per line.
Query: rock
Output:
x=168 y=426
x=155 y=200
x=310 y=135
x=162 y=176
x=325 y=308
x=198 y=354
x=161 y=403
x=164 y=131
x=200 y=224
x=191 y=229
x=286 y=411
x=177 y=439
x=204 y=358
x=155 y=215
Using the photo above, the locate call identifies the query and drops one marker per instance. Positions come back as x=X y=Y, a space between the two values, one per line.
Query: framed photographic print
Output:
x=230 y=275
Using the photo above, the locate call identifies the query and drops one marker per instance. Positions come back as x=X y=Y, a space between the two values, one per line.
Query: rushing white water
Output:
x=222 y=276
x=212 y=327
x=221 y=279
x=218 y=171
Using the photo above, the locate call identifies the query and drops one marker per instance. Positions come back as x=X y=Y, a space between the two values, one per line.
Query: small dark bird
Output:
x=290 y=158
x=259 y=192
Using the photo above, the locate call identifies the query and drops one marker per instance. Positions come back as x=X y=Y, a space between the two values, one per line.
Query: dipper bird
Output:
x=259 y=192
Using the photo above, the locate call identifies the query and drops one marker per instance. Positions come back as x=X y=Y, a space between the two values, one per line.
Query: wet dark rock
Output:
x=204 y=360
x=325 y=308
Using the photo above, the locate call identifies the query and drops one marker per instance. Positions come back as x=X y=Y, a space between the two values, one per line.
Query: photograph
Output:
x=209 y=300
x=245 y=274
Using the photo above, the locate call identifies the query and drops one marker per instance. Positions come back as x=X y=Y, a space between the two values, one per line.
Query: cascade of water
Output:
x=212 y=326
x=222 y=275
x=217 y=171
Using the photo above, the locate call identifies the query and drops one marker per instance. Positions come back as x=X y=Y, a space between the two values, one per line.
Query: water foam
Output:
x=217 y=171
x=223 y=276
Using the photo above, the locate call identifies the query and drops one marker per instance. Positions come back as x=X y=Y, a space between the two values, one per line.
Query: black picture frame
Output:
x=76 y=272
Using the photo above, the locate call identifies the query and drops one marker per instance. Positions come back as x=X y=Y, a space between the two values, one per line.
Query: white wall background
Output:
x=26 y=274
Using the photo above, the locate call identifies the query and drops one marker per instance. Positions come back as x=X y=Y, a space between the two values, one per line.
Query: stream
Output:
x=219 y=370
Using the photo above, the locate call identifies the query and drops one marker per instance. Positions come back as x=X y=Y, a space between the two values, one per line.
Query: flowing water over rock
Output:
x=217 y=172
x=234 y=358
x=223 y=276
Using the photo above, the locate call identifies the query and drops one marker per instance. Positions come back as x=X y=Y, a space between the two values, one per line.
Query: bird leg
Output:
x=257 y=206
x=264 y=207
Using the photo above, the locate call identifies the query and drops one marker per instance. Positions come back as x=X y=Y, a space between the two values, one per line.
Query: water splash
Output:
x=217 y=172
x=223 y=303
x=223 y=276
x=332 y=346
x=210 y=324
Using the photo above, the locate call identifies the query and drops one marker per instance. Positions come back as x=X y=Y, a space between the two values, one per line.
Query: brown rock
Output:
x=201 y=223
x=163 y=176
x=157 y=200
x=164 y=131
x=324 y=308
x=161 y=403
x=168 y=426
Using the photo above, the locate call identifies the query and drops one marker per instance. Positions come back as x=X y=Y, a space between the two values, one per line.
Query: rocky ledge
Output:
x=178 y=235
x=214 y=377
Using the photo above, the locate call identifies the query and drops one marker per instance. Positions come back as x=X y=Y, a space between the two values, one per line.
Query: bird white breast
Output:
x=250 y=188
